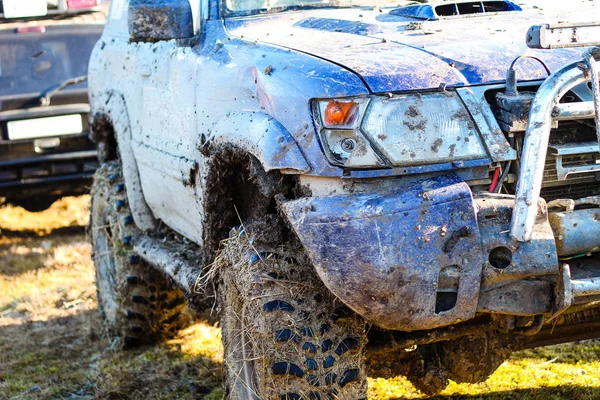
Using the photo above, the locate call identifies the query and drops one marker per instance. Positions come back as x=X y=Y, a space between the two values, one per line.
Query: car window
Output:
x=32 y=62
x=116 y=24
x=247 y=7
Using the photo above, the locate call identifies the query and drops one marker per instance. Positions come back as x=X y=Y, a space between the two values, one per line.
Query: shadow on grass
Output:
x=33 y=233
x=24 y=251
x=70 y=357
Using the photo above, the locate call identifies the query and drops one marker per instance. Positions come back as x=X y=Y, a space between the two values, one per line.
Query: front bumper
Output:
x=29 y=168
x=60 y=174
x=426 y=254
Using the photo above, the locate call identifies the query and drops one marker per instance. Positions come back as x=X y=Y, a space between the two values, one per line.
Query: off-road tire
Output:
x=285 y=335
x=138 y=304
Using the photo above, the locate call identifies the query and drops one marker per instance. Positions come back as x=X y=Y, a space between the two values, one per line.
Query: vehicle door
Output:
x=165 y=131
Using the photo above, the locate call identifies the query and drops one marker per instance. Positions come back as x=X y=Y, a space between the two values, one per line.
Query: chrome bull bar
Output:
x=544 y=110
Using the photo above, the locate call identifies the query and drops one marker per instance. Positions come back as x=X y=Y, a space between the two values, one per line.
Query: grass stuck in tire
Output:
x=52 y=345
x=285 y=335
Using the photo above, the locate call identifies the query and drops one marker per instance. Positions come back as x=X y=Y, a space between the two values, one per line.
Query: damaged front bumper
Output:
x=426 y=253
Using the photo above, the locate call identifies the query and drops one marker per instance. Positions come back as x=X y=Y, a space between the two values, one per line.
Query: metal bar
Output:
x=555 y=36
x=536 y=147
x=588 y=56
x=586 y=287
x=410 y=339
x=50 y=111
x=571 y=111
x=186 y=273
x=74 y=156
x=45 y=180
x=563 y=334
x=573 y=149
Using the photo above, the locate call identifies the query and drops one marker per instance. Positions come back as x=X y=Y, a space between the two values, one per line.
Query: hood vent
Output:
x=434 y=12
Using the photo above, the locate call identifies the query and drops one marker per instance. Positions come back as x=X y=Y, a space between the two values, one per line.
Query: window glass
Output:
x=35 y=62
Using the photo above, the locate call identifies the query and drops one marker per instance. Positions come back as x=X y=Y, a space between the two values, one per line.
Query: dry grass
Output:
x=65 y=213
x=52 y=344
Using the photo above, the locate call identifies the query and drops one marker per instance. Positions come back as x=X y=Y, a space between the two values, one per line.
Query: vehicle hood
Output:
x=395 y=53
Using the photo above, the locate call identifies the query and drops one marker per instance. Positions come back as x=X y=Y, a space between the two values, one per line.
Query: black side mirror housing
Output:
x=158 y=20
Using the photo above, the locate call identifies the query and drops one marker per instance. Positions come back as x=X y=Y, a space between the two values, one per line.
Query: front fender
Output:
x=262 y=136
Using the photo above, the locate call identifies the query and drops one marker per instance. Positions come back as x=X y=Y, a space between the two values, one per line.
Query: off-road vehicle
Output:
x=45 y=151
x=361 y=188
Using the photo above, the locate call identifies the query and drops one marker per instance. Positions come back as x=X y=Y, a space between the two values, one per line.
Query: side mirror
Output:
x=156 y=20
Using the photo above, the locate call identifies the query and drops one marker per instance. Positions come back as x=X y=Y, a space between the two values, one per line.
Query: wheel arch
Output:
x=239 y=188
x=251 y=158
x=111 y=131
x=264 y=137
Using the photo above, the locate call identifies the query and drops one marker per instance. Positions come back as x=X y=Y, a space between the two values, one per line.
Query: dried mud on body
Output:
x=53 y=346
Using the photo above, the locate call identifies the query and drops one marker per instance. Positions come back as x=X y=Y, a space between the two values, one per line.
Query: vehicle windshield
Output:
x=33 y=62
x=247 y=7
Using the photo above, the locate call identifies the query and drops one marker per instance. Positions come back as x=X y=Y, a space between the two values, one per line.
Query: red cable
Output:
x=494 y=180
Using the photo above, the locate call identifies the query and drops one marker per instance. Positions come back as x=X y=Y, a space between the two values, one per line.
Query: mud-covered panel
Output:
x=507 y=260
x=154 y=20
x=395 y=53
x=389 y=254
x=263 y=137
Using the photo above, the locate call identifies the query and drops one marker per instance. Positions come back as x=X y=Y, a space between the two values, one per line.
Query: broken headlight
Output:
x=403 y=130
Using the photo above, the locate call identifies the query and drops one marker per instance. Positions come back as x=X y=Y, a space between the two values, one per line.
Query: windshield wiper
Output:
x=48 y=94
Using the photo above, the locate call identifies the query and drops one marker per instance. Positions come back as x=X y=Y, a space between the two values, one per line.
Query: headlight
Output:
x=429 y=128
x=338 y=123
x=405 y=130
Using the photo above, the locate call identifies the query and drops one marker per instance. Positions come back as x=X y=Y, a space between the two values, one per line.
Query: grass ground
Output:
x=52 y=344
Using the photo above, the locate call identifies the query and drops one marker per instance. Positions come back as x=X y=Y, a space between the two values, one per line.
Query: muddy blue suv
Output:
x=45 y=152
x=362 y=187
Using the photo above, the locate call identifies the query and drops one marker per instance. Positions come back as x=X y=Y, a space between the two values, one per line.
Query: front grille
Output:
x=575 y=185
x=568 y=191
x=551 y=176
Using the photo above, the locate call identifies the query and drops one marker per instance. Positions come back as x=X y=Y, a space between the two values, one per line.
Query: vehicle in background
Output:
x=45 y=150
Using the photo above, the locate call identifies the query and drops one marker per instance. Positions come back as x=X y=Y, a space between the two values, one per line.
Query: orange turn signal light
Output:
x=340 y=113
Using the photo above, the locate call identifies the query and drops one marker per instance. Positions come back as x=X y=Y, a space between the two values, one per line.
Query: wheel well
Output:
x=103 y=135
x=239 y=190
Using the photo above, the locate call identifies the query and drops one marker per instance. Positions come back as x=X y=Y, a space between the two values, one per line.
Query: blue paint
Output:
x=351 y=52
x=390 y=246
x=391 y=55
x=426 y=12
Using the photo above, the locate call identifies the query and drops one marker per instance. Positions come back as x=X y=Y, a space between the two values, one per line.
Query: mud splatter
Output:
x=412 y=112
x=436 y=145
x=191 y=181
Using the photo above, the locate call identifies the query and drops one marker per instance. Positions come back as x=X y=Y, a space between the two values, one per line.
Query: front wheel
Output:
x=285 y=335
